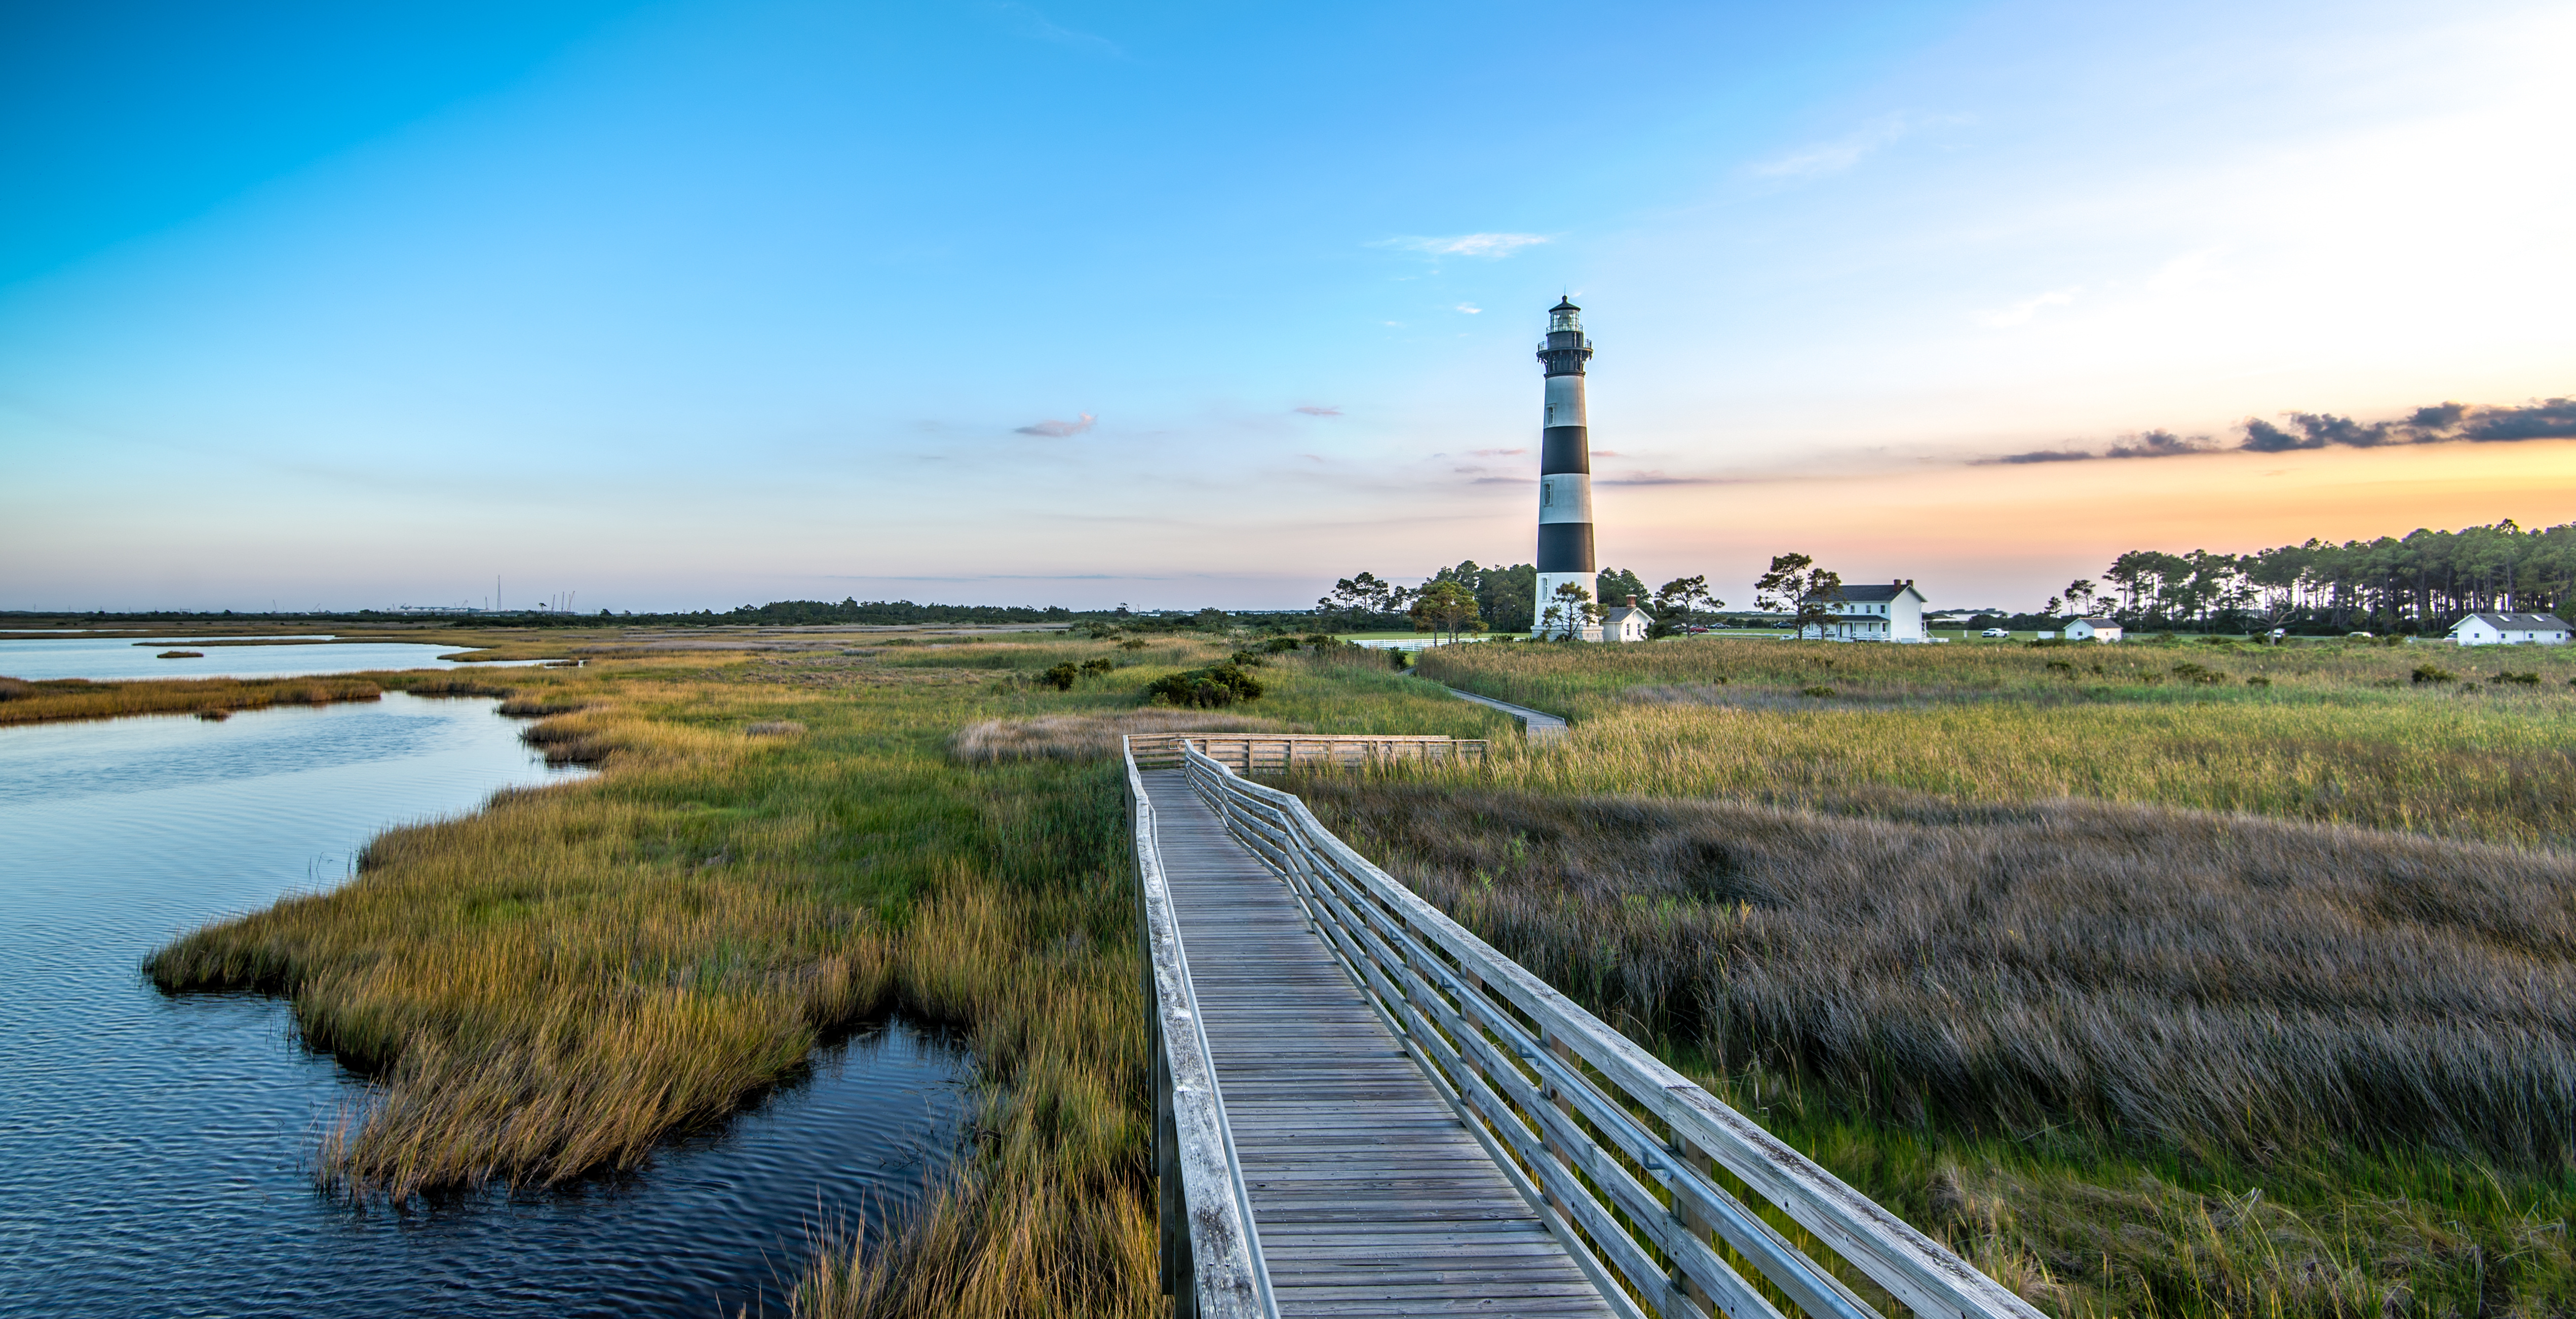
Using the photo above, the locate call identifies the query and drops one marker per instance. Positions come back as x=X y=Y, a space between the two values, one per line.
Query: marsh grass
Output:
x=2338 y=735
x=64 y=699
x=555 y=984
x=2085 y=1041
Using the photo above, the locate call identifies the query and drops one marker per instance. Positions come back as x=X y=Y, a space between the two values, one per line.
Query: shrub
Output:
x=1399 y=659
x=2433 y=673
x=2526 y=679
x=1101 y=665
x=1215 y=685
x=1132 y=643
x=2206 y=677
x=12 y=689
x=1244 y=659
x=2060 y=666
x=2258 y=682
x=1279 y=645
x=1060 y=677
x=1815 y=691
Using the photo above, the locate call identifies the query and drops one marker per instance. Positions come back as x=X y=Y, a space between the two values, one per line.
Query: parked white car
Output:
x=1994 y=632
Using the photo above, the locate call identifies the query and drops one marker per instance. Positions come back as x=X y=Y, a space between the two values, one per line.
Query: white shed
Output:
x=1626 y=622
x=2093 y=629
x=2510 y=630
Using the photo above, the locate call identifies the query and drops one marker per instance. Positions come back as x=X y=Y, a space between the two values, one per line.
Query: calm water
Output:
x=107 y=659
x=155 y=1152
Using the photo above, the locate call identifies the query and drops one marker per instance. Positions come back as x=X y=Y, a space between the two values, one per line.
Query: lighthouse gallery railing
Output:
x=1614 y=1148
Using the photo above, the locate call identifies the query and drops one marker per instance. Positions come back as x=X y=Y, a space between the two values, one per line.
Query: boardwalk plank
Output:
x=1370 y=1197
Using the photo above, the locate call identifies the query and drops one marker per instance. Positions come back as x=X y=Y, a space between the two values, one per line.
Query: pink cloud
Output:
x=1313 y=410
x=1496 y=453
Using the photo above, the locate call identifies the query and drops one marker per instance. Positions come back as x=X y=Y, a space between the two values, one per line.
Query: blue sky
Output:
x=696 y=304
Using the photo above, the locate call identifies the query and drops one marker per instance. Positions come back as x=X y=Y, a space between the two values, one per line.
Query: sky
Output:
x=697 y=304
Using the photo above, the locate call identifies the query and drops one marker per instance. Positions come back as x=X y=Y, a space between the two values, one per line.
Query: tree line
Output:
x=1470 y=598
x=2423 y=582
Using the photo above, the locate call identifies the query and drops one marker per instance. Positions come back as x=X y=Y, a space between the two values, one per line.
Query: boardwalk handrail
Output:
x=1211 y=1256
x=1567 y=1103
x=1255 y=752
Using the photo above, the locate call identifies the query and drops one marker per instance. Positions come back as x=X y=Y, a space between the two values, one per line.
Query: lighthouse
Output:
x=1564 y=476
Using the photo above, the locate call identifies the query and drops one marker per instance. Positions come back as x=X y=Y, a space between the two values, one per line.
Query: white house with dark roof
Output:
x=1626 y=622
x=1893 y=612
x=2093 y=629
x=2510 y=630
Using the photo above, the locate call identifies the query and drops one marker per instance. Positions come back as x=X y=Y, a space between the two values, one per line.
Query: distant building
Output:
x=1893 y=612
x=2093 y=629
x=1626 y=622
x=2510 y=630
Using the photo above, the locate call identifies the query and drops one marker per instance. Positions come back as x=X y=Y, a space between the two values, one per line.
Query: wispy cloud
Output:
x=1025 y=21
x=1471 y=309
x=1489 y=246
x=1057 y=429
x=1818 y=159
x=1665 y=478
x=1497 y=453
x=2440 y=423
x=1318 y=410
x=2022 y=312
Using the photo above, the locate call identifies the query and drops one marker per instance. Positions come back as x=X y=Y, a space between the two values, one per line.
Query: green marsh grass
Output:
x=2336 y=734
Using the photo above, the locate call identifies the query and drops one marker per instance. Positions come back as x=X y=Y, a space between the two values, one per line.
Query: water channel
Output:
x=156 y=1152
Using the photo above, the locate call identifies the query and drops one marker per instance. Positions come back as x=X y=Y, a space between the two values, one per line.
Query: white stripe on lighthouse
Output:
x=1565 y=401
x=1565 y=497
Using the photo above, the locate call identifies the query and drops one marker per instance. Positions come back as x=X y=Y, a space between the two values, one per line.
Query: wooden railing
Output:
x=1211 y=1258
x=1251 y=753
x=1618 y=1151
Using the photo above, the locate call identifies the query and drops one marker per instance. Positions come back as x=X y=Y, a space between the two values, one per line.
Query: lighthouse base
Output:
x=1581 y=626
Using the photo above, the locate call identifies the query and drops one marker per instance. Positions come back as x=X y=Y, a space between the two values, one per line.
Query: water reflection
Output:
x=154 y=1151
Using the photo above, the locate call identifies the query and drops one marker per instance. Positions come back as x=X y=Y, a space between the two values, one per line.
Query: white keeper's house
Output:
x=1626 y=622
x=2510 y=630
x=2093 y=629
x=1893 y=612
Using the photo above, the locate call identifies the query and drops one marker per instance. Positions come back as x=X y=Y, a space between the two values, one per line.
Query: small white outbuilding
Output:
x=2510 y=630
x=2093 y=629
x=1626 y=622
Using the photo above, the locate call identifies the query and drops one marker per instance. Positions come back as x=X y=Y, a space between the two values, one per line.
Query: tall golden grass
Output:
x=65 y=699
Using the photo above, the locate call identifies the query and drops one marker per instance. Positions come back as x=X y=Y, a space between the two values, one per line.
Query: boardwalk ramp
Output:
x=1363 y=1110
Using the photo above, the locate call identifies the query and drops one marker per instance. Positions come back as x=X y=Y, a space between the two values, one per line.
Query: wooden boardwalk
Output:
x=1369 y=1195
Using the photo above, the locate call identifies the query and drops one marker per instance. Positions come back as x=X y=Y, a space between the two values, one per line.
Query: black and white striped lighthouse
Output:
x=1564 y=475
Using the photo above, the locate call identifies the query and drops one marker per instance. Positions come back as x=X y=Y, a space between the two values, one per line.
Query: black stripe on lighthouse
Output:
x=1565 y=547
x=1565 y=449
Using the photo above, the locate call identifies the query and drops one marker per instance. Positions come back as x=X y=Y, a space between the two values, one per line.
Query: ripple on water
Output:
x=155 y=1151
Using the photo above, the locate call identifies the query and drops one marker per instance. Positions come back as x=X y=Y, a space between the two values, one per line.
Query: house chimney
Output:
x=1632 y=602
